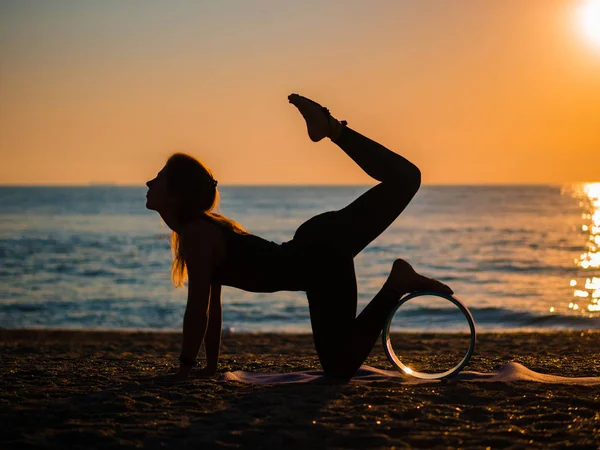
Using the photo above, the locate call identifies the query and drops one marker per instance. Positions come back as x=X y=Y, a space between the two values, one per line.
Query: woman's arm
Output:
x=212 y=340
x=199 y=250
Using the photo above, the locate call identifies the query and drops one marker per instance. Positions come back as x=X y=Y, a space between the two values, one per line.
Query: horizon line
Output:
x=109 y=184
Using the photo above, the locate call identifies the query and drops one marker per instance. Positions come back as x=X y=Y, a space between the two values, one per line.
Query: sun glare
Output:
x=589 y=20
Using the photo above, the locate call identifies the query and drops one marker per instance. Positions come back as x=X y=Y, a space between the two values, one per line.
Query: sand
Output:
x=85 y=389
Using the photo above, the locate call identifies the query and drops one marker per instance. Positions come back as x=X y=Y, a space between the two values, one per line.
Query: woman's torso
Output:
x=254 y=264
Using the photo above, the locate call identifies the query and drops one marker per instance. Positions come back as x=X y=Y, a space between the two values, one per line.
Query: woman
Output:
x=213 y=250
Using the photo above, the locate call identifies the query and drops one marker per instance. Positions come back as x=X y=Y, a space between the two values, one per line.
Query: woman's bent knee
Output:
x=340 y=367
x=410 y=182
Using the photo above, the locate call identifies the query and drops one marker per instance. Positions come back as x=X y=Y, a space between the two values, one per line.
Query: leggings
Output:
x=332 y=239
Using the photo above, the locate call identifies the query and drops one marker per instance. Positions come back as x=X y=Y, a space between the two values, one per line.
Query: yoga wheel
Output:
x=432 y=312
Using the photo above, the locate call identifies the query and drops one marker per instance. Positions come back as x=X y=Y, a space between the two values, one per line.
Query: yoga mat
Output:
x=509 y=372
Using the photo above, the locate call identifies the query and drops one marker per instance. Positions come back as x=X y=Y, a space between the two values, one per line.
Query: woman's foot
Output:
x=403 y=279
x=319 y=121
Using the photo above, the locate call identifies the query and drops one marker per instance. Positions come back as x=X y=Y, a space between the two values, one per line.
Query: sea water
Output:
x=520 y=257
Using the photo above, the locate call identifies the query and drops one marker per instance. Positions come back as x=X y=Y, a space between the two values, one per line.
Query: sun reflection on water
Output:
x=591 y=201
x=589 y=261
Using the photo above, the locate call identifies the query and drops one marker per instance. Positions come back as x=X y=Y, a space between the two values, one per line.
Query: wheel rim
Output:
x=393 y=358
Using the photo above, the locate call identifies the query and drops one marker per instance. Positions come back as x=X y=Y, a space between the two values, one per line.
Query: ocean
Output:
x=520 y=257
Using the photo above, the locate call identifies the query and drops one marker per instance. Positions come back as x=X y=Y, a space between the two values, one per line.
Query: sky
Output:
x=471 y=91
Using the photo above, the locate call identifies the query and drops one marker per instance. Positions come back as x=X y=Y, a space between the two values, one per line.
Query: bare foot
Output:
x=319 y=121
x=403 y=279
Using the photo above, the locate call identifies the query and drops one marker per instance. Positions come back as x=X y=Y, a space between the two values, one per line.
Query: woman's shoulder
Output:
x=203 y=232
x=201 y=228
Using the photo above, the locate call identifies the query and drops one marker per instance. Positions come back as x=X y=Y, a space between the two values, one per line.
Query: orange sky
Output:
x=470 y=91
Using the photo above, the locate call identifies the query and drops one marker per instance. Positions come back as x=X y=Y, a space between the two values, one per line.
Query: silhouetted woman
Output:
x=212 y=250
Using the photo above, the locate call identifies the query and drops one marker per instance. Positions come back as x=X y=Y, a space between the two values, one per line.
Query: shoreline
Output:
x=64 y=388
x=288 y=332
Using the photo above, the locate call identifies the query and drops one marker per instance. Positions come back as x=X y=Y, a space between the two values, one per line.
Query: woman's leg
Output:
x=369 y=215
x=332 y=301
x=363 y=220
x=359 y=223
x=343 y=341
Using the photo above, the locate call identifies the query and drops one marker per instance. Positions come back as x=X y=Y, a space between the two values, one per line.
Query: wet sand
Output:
x=84 y=389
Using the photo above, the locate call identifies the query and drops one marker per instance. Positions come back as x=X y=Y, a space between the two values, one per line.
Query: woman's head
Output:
x=183 y=188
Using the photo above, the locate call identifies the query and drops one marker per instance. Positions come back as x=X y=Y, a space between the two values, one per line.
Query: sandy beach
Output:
x=86 y=389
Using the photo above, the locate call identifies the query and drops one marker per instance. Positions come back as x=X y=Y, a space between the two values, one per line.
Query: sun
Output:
x=589 y=20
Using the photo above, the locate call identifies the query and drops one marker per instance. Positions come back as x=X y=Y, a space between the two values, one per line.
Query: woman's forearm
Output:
x=194 y=330
x=212 y=341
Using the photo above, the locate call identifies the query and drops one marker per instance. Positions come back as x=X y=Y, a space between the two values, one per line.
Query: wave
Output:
x=132 y=314
x=492 y=317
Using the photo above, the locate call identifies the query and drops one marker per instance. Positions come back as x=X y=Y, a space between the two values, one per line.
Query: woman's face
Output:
x=158 y=197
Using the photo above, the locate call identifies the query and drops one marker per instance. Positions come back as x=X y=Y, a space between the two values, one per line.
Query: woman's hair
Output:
x=193 y=183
